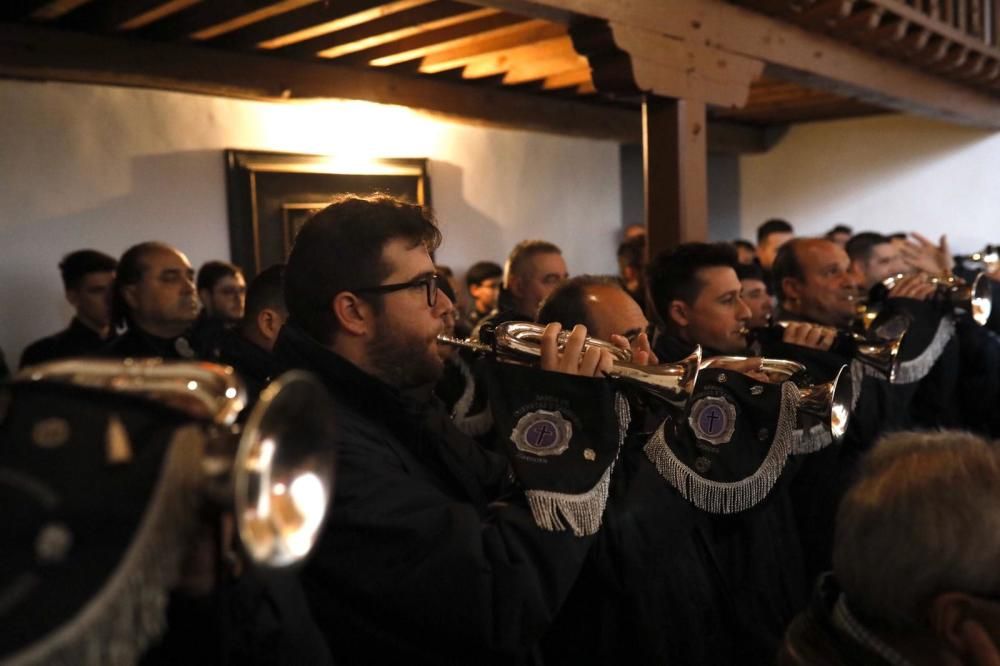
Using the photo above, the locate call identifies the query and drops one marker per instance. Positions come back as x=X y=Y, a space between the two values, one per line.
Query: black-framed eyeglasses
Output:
x=428 y=282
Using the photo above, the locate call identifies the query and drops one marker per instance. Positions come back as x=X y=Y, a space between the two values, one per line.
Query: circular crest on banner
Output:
x=713 y=420
x=542 y=433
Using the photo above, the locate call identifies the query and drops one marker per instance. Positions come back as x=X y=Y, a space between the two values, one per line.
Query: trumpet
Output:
x=271 y=470
x=882 y=355
x=973 y=298
x=989 y=257
x=521 y=341
x=830 y=402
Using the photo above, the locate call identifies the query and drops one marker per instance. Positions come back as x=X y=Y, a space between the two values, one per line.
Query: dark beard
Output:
x=402 y=361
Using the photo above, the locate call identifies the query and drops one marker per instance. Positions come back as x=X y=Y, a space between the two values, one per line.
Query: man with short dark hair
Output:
x=839 y=234
x=631 y=264
x=914 y=576
x=87 y=276
x=533 y=269
x=771 y=235
x=746 y=253
x=482 y=280
x=874 y=258
x=431 y=556
x=222 y=290
x=247 y=347
x=154 y=297
x=754 y=292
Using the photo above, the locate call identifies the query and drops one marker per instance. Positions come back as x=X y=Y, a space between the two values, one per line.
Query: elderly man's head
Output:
x=533 y=270
x=813 y=281
x=917 y=547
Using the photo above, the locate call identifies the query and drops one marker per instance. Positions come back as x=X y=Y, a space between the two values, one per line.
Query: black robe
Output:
x=429 y=555
x=77 y=339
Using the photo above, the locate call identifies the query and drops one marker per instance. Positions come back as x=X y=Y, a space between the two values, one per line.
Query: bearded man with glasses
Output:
x=431 y=555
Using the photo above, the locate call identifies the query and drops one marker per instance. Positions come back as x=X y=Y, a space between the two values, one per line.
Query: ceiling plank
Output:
x=436 y=41
x=574 y=77
x=242 y=21
x=56 y=8
x=393 y=17
x=531 y=32
x=792 y=53
x=39 y=53
x=112 y=15
x=533 y=70
x=403 y=32
x=314 y=21
x=500 y=63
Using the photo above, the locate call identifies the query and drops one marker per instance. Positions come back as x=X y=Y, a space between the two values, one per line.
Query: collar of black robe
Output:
x=669 y=348
x=138 y=343
x=85 y=334
x=416 y=418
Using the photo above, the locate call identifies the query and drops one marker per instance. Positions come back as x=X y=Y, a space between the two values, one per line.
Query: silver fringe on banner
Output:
x=129 y=612
x=729 y=497
x=916 y=369
x=812 y=440
x=477 y=424
x=581 y=513
x=858 y=371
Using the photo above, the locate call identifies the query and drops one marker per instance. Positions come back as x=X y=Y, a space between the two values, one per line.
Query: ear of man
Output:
x=129 y=294
x=269 y=323
x=679 y=313
x=952 y=616
x=355 y=316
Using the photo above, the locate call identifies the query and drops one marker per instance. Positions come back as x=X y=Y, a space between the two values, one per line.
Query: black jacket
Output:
x=76 y=340
x=428 y=557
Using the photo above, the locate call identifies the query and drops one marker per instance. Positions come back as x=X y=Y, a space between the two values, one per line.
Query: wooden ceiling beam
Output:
x=400 y=19
x=530 y=32
x=311 y=20
x=111 y=15
x=533 y=70
x=37 y=53
x=560 y=48
x=574 y=77
x=436 y=41
x=51 y=11
x=406 y=31
x=791 y=53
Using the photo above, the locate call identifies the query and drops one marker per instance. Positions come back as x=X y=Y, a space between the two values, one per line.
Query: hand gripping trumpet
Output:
x=879 y=352
x=973 y=298
x=830 y=402
x=275 y=471
x=521 y=341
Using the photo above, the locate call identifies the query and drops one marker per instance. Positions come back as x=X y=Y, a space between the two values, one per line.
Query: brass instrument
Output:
x=974 y=298
x=521 y=341
x=830 y=402
x=274 y=471
x=989 y=257
x=879 y=351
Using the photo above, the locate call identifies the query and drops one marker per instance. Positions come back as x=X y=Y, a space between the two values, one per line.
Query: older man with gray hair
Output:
x=916 y=560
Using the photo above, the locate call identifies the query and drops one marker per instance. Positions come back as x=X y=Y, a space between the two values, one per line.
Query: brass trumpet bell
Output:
x=830 y=402
x=521 y=341
x=283 y=473
x=973 y=298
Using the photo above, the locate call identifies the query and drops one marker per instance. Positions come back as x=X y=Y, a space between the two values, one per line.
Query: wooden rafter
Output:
x=243 y=20
x=571 y=78
x=530 y=32
x=500 y=62
x=795 y=54
x=56 y=8
x=109 y=15
x=309 y=25
x=436 y=41
x=533 y=70
x=371 y=41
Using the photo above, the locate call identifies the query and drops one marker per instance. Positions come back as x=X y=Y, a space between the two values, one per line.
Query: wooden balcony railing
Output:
x=957 y=39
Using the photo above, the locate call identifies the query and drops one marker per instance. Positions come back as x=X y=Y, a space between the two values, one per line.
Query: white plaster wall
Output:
x=887 y=173
x=104 y=167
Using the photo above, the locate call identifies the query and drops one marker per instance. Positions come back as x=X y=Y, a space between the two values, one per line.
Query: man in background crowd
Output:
x=839 y=234
x=247 y=347
x=771 y=235
x=87 y=277
x=154 y=296
x=746 y=253
x=533 y=269
x=631 y=264
x=755 y=294
x=482 y=281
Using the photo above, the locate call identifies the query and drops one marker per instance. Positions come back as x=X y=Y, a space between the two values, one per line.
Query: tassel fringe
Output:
x=916 y=369
x=582 y=513
x=729 y=497
x=129 y=612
